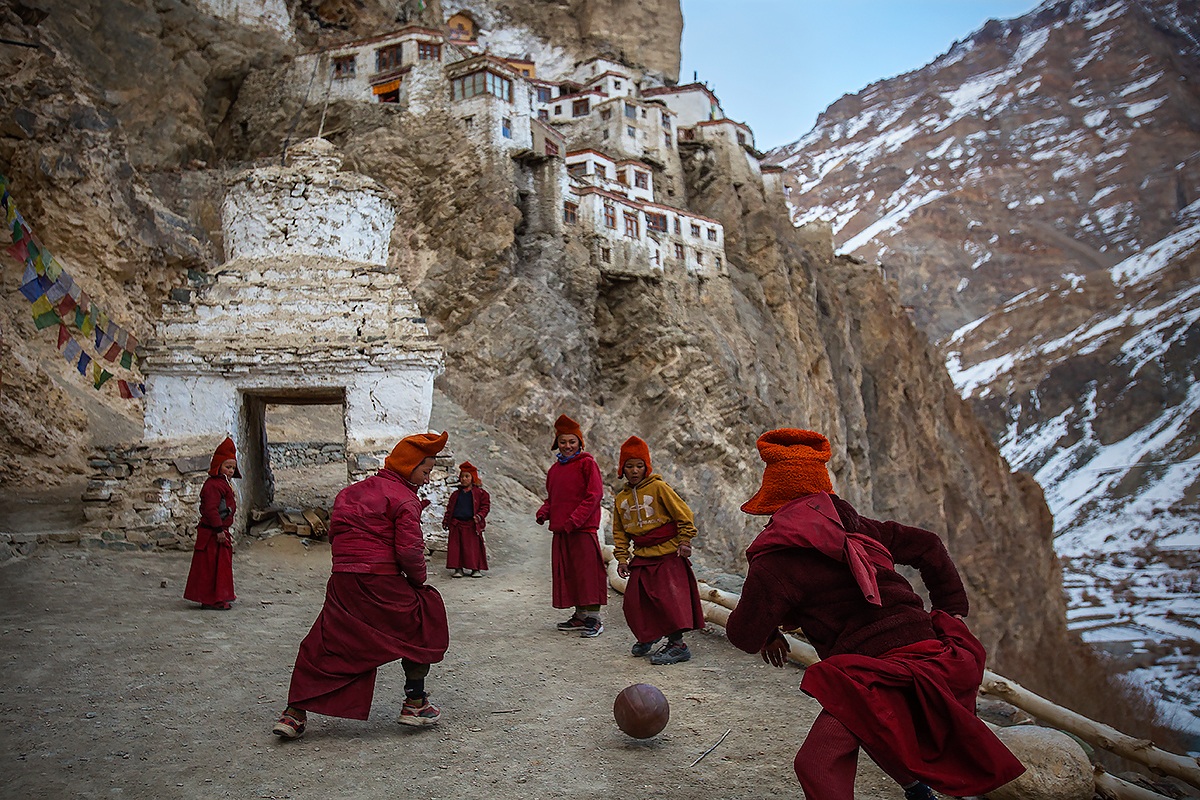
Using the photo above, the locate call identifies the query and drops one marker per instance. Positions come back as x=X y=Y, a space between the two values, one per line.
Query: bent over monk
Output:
x=894 y=679
x=378 y=607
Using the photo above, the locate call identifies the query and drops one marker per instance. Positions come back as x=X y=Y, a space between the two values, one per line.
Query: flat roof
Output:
x=687 y=87
x=405 y=31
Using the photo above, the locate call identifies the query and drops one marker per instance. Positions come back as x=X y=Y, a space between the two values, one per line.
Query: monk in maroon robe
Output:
x=210 y=580
x=574 y=489
x=378 y=607
x=894 y=679
x=465 y=519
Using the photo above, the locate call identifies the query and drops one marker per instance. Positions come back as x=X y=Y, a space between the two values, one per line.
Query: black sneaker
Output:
x=573 y=624
x=919 y=791
x=643 y=648
x=592 y=627
x=672 y=653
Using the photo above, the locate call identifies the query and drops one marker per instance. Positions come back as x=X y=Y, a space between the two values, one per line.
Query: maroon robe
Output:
x=210 y=580
x=661 y=597
x=465 y=548
x=572 y=508
x=378 y=607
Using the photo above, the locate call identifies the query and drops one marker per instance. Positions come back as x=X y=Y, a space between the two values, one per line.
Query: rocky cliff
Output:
x=699 y=367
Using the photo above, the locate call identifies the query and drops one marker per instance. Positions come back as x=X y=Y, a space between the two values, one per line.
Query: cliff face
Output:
x=792 y=336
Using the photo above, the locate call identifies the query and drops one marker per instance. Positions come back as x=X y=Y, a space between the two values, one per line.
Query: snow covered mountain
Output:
x=1034 y=192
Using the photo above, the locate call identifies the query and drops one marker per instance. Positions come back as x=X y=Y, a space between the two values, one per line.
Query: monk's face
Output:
x=635 y=471
x=228 y=467
x=568 y=444
x=464 y=480
x=420 y=475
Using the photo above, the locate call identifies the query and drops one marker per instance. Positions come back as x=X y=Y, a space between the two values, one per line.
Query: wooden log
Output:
x=1095 y=733
x=1111 y=787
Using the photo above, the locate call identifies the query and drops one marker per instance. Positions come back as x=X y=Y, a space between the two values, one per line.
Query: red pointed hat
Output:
x=565 y=424
x=633 y=448
x=469 y=468
x=795 y=462
x=225 y=451
x=408 y=454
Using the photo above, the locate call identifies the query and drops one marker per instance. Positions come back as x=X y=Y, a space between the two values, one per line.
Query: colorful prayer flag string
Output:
x=56 y=299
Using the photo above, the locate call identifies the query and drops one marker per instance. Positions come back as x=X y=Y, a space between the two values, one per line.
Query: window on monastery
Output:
x=543 y=114
x=686 y=134
x=610 y=215
x=643 y=113
x=718 y=262
x=741 y=137
x=712 y=234
x=630 y=132
x=606 y=114
x=630 y=111
x=543 y=94
x=577 y=170
x=616 y=84
x=606 y=255
x=525 y=72
x=641 y=180
x=621 y=178
x=677 y=225
x=345 y=66
x=428 y=51
x=699 y=257
x=580 y=108
x=679 y=252
x=656 y=222
x=387 y=58
x=667 y=139
x=558 y=111
x=695 y=230
x=506 y=128
x=500 y=87
x=551 y=148
x=479 y=83
x=666 y=120
x=469 y=122
x=656 y=259
x=605 y=136
x=570 y=212
x=631 y=224
x=602 y=171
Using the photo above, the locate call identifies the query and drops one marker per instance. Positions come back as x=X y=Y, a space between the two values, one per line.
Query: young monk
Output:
x=573 y=492
x=378 y=607
x=894 y=679
x=466 y=517
x=661 y=598
x=210 y=580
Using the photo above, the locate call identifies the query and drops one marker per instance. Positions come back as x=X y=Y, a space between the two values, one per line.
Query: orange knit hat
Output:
x=633 y=448
x=469 y=468
x=565 y=424
x=412 y=450
x=795 y=467
x=225 y=451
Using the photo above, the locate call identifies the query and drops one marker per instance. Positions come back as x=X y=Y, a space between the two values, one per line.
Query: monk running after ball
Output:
x=894 y=679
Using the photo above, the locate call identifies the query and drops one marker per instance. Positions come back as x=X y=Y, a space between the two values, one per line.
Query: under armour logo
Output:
x=643 y=510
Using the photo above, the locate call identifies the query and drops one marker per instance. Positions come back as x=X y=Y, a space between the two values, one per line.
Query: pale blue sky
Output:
x=777 y=64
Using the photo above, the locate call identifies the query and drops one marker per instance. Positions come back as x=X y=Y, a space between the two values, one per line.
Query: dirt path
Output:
x=113 y=686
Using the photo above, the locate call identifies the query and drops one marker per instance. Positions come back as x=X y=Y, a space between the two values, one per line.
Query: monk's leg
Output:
x=827 y=760
x=414 y=679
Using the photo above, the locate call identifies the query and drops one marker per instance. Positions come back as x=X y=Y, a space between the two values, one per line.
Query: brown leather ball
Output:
x=641 y=710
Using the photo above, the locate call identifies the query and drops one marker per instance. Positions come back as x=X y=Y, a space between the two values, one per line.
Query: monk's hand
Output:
x=622 y=569
x=685 y=550
x=775 y=652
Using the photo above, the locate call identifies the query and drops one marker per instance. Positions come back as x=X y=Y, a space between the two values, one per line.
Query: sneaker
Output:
x=643 y=648
x=672 y=653
x=919 y=791
x=458 y=573
x=419 y=712
x=476 y=573
x=592 y=627
x=289 y=727
x=573 y=624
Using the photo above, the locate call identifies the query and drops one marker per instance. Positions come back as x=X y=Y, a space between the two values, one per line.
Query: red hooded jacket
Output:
x=375 y=528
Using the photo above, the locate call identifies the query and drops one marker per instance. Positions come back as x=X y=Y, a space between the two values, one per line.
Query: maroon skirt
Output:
x=210 y=580
x=913 y=709
x=465 y=548
x=367 y=621
x=661 y=597
x=577 y=570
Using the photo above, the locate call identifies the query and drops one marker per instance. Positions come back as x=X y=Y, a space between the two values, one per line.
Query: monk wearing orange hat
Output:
x=378 y=607
x=210 y=580
x=894 y=679
x=574 y=489
x=465 y=519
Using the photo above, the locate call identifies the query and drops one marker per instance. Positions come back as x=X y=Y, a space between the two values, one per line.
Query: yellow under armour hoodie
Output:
x=642 y=508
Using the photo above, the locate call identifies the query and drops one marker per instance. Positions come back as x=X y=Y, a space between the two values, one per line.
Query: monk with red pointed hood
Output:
x=894 y=679
x=574 y=489
x=210 y=580
x=465 y=519
x=378 y=607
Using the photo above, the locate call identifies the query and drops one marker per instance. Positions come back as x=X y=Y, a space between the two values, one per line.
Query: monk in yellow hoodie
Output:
x=661 y=598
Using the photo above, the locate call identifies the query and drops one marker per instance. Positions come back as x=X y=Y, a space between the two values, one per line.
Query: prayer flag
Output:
x=123 y=389
x=40 y=306
x=56 y=292
x=102 y=378
x=17 y=232
x=44 y=314
x=99 y=338
x=122 y=338
x=31 y=290
x=110 y=330
x=28 y=275
x=113 y=352
x=82 y=366
x=67 y=306
x=87 y=326
x=54 y=269
x=71 y=351
x=64 y=335
x=138 y=389
x=76 y=292
x=132 y=344
x=127 y=360
x=19 y=251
